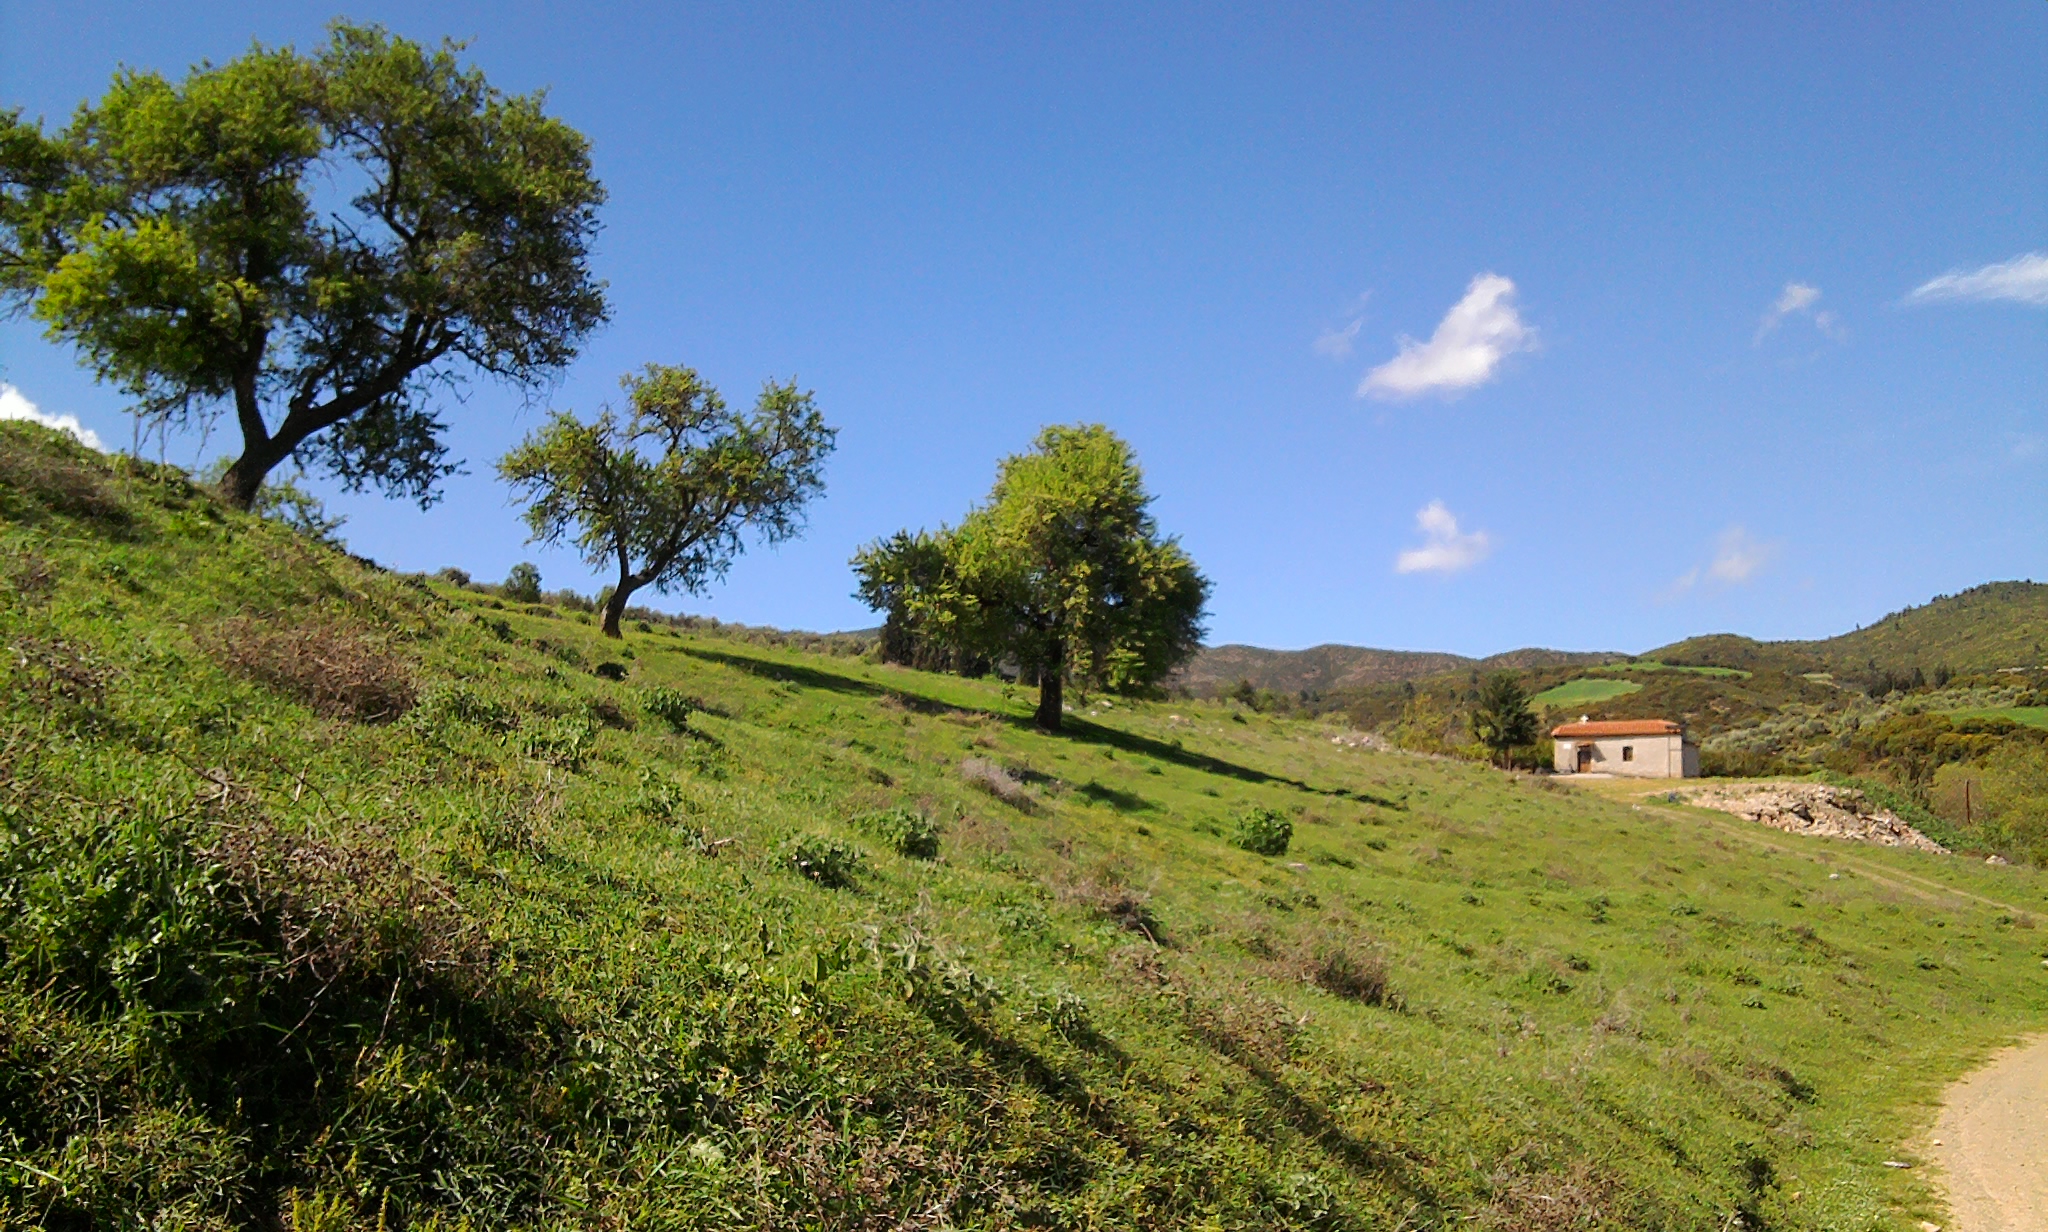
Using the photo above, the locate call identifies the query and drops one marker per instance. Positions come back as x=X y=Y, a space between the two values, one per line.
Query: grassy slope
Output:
x=1576 y=692
x=1604 y=1013
x=1996 y=625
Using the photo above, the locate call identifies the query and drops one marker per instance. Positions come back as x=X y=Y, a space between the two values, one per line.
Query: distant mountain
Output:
x=1996 y=625
x=1328 y=668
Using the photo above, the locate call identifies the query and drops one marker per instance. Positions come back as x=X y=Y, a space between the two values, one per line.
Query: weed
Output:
x=564 y=742
x=910 y=833
x=671 y=706
x=1262 y=831
x=826 y=860
x=447 y=704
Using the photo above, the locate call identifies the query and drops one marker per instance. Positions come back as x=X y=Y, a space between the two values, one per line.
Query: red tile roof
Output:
x=1618 y=727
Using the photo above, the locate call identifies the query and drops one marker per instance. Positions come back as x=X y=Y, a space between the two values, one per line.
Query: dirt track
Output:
x=1992 y=1143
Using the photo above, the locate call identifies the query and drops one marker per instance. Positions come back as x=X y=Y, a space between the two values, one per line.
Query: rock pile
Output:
x=1815 y=808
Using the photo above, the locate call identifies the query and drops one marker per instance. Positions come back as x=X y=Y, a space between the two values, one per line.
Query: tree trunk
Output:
x=245 y=478
x=1050 y=679
x=615 y=607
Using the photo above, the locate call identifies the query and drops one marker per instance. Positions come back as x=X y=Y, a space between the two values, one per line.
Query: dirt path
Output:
x=1991 y=1142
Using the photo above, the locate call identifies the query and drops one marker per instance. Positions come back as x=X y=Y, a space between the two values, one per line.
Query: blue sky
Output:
x=1436 y=327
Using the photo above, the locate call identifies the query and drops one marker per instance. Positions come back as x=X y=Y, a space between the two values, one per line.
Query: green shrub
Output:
x=1264 y=832
x=564 y=742
x=443 y=705
x=823 y=859
x=671 y=706
x=910 y=833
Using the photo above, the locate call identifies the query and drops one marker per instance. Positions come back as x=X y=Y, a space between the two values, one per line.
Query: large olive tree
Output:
x=315 y=242
x=667 y=496
x=1062 y=572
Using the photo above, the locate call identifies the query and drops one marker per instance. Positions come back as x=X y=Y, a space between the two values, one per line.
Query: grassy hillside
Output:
x=333 y=899
x=1986 y=628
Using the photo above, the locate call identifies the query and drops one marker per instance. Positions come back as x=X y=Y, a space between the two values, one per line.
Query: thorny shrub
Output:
x=339 y=671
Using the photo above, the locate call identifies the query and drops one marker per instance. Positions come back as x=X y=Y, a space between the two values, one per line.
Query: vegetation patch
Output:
x=338 y=669
x=1584 y=692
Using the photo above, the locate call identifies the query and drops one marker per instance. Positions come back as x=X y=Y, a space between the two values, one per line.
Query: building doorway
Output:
x=1585 y=758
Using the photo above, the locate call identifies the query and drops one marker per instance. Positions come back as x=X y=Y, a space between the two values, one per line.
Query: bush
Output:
x=910 y=833
x=522 y=584
x=824 y=859
x=1264 y=832
x=671 y=706
x=442 y=705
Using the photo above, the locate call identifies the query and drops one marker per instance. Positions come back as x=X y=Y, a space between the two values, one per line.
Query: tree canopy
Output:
x=1062 y=572
x=1502 y=720
x=667 y=496
x=316 y=242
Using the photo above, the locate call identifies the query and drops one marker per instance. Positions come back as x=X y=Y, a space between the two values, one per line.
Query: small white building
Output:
x=1637 y=748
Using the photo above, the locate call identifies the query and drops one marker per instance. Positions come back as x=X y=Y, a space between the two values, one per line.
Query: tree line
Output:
x=182 y=236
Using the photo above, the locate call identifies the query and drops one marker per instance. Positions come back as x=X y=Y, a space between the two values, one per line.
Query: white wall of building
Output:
x=1649 y=757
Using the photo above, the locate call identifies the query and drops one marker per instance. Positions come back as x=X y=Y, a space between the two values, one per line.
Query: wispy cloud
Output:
x=1445 y=548
x=1336 y=343
x=1738 y=557
x=1466 y=350
x=1798 y=299
x=14 y=406
x=2022 y=280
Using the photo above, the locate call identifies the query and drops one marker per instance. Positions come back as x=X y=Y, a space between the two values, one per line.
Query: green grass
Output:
x=2030 y=716
x=1584 y=692
x=552 y=949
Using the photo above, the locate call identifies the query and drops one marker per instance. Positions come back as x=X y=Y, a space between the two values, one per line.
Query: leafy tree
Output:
x=1062 y=572
x=665 y=496
x=522 y=583
x=1501 y=719
x=190 y=240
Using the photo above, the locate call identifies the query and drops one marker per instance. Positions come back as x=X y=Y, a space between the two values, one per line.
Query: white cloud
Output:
x=1738 y=557
x=2022 y=280
x=1478 y=332
x=14 y=406
x=1445 y=549
x=1336 y=343
x=1798 y=299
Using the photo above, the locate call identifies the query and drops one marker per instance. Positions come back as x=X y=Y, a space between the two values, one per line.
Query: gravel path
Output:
x=1992 y=1143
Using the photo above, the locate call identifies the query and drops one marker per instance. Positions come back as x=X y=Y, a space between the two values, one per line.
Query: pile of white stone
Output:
x=1815 y=808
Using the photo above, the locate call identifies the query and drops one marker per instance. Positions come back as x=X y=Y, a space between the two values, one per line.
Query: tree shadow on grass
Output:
x=1115 y=797
x=1079 y=731
x=1309 y=1119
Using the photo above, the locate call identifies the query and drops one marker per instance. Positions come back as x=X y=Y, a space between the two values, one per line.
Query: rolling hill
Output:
x=338 y=899
x=1991 y=627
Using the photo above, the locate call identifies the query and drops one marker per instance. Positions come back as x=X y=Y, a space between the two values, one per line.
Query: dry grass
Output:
x=984 y=775
x=35 y=465
x=346 y=908
x=339 y=671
